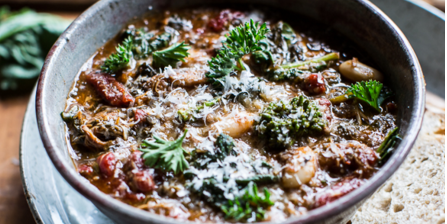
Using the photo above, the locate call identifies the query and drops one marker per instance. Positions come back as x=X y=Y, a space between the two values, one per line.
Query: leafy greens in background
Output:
x=25 y=39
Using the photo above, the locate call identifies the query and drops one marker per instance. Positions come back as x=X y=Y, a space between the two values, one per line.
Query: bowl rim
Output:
x=319 y=214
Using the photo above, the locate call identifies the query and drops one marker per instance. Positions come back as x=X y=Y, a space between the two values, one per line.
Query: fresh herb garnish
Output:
x=388 y=144
x=170 y=55
x=369 y=92
x=166 y=155
x=248 y=204
x=140 y=44
x=242 y=40
x=121 y=58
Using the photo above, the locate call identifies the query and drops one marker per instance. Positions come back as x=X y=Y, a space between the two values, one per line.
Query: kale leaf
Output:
x=25 y=39
x=242 y=40
x=139 y=44
x=211 y=177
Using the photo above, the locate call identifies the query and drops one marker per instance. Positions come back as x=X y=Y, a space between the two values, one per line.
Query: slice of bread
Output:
x=416 y=192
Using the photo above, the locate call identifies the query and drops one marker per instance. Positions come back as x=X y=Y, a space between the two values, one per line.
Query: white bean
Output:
x=301 y=165
x=357 y=71
x=235 y=124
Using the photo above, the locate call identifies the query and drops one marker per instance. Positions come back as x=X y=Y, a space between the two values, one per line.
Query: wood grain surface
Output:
x=13 y=206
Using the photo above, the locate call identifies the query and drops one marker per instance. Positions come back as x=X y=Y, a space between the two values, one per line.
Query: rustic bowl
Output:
x=358 y=20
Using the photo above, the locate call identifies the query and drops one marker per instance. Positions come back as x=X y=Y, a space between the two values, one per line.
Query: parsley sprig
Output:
x=170 y=55
x=165 y=155
x=369 y=92
x=241 y=40
x=243 y=207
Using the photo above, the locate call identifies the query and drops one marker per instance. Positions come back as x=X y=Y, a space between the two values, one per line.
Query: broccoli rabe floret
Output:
x=282 y=123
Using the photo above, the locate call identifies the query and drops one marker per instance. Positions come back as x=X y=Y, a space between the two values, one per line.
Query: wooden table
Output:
x=13 y=206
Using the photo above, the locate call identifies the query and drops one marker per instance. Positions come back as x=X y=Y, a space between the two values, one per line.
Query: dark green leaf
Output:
x=25 y=38
x=388 y=144
x=138 y=44
x=367 y=92
x=242 y=40
x=242 y=207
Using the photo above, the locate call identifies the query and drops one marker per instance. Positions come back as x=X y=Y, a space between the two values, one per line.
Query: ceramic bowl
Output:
x=359 y=21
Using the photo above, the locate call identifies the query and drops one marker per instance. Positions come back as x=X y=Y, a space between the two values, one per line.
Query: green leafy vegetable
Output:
x=225 y=146
x=140 y=44
x=166 y=155
x=388 y=144
x=242 y=40
x=248 y=204
x=263 y=58
x=121 y=58
x=287 y=32
x=170 y=55
x=282 y=123
x=25 y=39
x=369 y=92
x=70 y=114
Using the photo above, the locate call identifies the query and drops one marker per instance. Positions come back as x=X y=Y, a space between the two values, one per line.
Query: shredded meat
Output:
x=91 y=139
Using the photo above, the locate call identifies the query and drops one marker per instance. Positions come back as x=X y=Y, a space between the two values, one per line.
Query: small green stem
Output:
x=328 y=57
x=386 y=142
x=241 y=63
x=341 y=98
